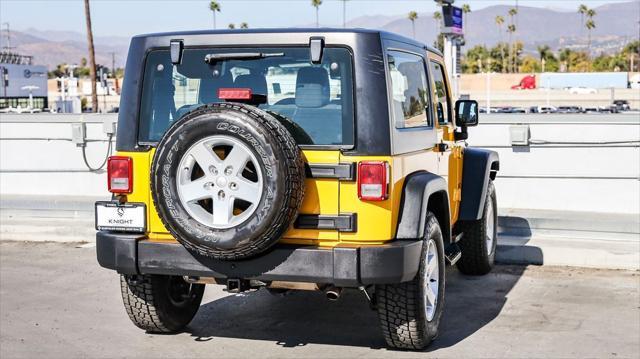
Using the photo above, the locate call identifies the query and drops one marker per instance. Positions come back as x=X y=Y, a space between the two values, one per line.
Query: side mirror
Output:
x=467 y=113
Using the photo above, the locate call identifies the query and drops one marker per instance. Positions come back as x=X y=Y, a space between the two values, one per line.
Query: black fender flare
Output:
x=479 y=165
x=423 y=191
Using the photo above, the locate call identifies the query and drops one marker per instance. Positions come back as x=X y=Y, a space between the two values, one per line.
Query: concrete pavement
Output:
x=56 y=302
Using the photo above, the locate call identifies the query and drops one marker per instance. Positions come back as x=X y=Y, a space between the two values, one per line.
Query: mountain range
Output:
x=616 y=25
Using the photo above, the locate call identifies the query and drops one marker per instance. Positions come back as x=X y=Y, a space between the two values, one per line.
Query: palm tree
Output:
x=231 y=26
x=344 y=13
x=437 y=16
x=316 y=4
x=500 y=21
x=544 y=52
x=511 y=29
x=582 y=10
x=244 y=25
x=92 y=57
x=412 y=17
x=214 y=6
x=590 y=25
x=465 y=10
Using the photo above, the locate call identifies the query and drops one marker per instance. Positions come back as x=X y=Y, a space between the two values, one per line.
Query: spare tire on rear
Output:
x=227 y=180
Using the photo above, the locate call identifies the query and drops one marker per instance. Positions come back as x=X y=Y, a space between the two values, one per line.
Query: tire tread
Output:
x=475 y=260
x=403 y=326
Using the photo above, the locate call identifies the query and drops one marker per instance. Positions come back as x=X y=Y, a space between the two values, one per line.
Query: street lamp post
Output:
x=30 y=88
x=453 y=34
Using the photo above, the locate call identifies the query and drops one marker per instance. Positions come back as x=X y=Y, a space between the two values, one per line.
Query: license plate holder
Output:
x=127 y=217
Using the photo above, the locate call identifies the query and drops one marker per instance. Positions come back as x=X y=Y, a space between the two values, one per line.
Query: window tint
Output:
x=443 y=110
x=318 y=98
x=409 y=90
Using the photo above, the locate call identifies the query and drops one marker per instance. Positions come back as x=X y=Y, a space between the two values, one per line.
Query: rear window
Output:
x=319 y=98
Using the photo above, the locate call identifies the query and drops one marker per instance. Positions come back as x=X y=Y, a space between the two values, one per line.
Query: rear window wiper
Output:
x=213 y=58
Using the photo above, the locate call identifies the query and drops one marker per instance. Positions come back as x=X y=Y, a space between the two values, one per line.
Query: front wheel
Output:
x=479 y=238
x=160 y=304
x=410 y=312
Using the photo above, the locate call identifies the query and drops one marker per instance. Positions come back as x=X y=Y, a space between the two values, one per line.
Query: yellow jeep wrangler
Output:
x=294 y=159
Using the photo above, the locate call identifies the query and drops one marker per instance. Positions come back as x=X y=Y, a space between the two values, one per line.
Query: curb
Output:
x=525 y=237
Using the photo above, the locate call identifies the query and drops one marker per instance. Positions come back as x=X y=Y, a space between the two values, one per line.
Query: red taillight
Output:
x=234 y=94
x=373 y=180
x=120 y=174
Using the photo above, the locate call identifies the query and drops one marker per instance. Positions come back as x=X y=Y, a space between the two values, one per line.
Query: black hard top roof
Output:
x=311 y=31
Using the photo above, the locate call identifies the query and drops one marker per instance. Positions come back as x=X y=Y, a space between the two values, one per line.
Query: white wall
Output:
x=575 y=166
x=571 y=173
x=51 y=165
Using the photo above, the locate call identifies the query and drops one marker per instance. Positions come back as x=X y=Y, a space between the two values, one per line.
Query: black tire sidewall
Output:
x=250 y=234
x=476 y=259
x=173 y=316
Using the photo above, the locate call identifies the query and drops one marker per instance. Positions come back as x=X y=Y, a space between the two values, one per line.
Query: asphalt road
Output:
x=55 y=302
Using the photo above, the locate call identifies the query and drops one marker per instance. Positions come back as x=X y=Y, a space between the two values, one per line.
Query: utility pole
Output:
x=453 y=34
x=113 y=64
x=92 y=56
x=488 y=82
x=8 y=46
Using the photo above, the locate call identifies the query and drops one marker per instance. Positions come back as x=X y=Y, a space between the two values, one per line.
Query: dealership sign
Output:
x=28 y=73
x=452 y=17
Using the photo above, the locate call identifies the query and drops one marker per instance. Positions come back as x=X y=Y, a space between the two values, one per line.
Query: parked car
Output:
x=621 y=105
x=569 y=109
x=20 y=109
x=608 y=109
x=582 y=90
x=316 y=191
x=546 y=109
x=509 y=109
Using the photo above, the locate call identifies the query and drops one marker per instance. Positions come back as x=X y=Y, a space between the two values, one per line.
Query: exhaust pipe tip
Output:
x=333 y=293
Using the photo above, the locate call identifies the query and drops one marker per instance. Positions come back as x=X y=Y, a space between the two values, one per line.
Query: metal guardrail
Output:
x=486 y=119
x=626 y=119
x=97 y=118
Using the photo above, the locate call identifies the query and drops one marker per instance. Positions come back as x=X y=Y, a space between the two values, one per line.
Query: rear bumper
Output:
x=395 y=262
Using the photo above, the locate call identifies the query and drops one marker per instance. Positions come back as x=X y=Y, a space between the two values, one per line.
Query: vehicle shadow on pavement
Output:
x=301 y=318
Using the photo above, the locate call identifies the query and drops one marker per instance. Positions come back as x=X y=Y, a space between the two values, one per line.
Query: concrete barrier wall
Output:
x=575 y=162
x=37 y=156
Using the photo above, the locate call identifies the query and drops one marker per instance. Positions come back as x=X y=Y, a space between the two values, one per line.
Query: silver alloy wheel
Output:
x=222 y=181
x=432 y=279
x=489 y=226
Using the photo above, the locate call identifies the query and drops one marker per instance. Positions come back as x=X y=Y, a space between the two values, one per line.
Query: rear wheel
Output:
x=410 y=312
x=479 y=240
x=160 y=304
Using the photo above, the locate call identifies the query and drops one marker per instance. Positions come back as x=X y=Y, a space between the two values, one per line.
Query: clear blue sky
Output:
x=129 y=17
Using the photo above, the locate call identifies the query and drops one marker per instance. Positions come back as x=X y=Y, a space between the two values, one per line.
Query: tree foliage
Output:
x=480 y=59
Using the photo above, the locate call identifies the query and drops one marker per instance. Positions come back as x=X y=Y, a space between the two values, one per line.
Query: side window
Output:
x=409 y=89
x=441 y=93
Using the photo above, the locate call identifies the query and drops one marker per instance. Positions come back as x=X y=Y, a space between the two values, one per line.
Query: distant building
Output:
x=19 y=78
